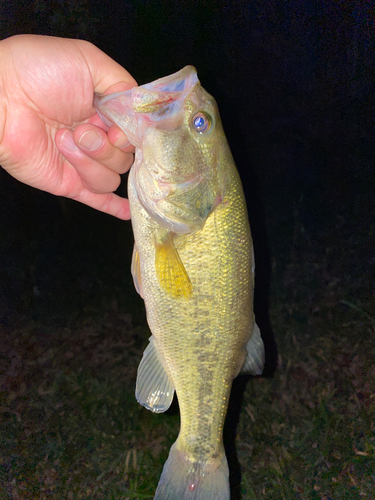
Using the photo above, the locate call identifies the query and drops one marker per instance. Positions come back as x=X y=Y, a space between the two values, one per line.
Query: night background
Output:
x=294 y=82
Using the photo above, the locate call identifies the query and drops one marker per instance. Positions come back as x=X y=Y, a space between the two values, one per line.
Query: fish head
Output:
x=176 y=129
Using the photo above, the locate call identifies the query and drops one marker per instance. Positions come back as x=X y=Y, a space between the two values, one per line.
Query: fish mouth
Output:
x=164 y=91
x=178 y=83
x=156 y=101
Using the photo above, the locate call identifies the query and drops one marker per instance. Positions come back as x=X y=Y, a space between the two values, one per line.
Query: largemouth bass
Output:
x=193 y=265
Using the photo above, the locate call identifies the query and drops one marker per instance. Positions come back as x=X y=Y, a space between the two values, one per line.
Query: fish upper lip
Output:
x=179 y=76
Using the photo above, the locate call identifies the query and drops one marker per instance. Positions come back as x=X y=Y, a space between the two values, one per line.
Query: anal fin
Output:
x=154 y=390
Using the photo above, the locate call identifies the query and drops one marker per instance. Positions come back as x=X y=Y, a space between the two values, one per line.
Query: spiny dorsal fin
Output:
x=170 y=270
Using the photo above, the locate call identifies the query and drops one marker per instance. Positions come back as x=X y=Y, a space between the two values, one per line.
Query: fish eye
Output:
x=201 y=122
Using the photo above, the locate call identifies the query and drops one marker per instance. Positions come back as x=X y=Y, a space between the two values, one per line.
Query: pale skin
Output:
x=50 y=135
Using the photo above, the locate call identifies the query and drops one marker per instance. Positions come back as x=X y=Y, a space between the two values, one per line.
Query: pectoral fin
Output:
x=254 y=361
x=136 y=271
x=170 y=270
x=154 y=390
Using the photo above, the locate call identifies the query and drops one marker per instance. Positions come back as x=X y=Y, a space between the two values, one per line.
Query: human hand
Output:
x=50 y=135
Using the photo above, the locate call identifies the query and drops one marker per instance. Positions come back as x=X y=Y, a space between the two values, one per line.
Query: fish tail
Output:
x=185 y=480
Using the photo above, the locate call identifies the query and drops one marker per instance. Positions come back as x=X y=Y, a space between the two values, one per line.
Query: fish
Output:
x=193 y=264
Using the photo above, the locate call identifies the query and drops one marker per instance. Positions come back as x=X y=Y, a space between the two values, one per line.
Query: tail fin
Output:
x=184 y=480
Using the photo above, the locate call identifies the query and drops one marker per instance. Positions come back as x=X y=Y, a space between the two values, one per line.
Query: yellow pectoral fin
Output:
x=170 y=270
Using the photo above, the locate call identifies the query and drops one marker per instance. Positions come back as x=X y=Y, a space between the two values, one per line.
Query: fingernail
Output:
x=67 y=141
x=122 y=142
x=90 y=140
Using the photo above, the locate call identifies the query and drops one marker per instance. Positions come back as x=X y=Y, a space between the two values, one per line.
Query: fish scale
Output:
x=194 y=267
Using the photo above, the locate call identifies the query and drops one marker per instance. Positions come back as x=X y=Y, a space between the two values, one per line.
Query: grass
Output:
x=71 y=428
x=72 y=425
